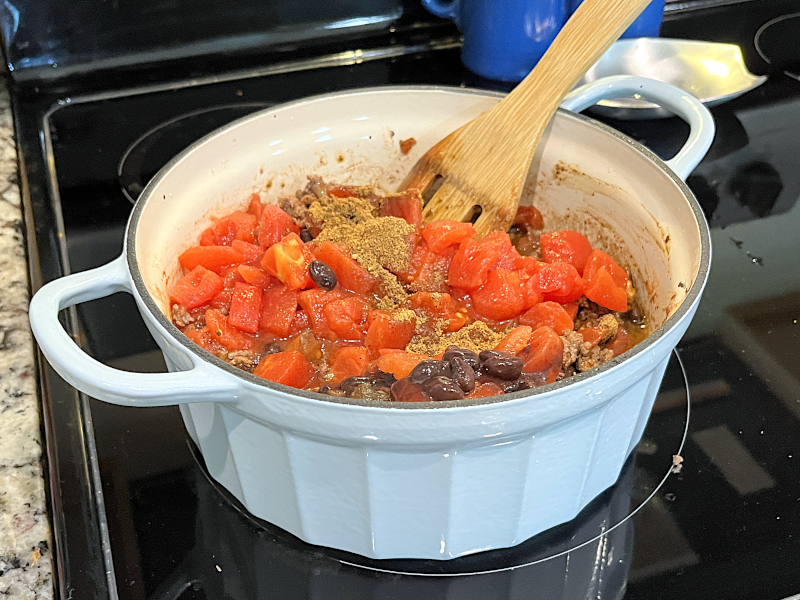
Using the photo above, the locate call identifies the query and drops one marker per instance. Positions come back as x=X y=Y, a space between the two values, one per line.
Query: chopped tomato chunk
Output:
x=485 y=390
x=255 y=206
x=222 y=333
x=603 y=290
x=500 y=298
x=544 y=355
x=313 y=302
x=558 y=282
x=251 y=253
x=442 y=306
x=441 y=234
x=347 y=317
x=407 y=206
x=598 y=258
x=389 y=329
x=275 y=225
x=350 y=361
x=501 y=243
x=213 y=258
x=201 y=337
x=550 y=314
x=278 y=310
x=566 y=246
x=245 y=307
x=516 y=341
x=289 y=368
x=471 y=264
x=288 y=260
x=196 y=288
x=399 y=363
x=348 y=272
x=428 y=269
x=255 y=276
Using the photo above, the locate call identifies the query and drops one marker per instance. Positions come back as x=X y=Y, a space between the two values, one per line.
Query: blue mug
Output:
x=647 y=24
x=503 y=39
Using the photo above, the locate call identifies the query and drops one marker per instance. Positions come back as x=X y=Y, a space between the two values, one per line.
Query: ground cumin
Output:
x=476 y=337
x=379 y=244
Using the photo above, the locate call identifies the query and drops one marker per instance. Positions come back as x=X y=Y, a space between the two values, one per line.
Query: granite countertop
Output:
x=25 y=557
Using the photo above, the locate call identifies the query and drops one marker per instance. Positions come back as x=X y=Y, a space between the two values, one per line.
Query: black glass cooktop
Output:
x=136 y=515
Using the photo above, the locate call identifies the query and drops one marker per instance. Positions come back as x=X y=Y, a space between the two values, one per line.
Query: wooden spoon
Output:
x=485 y=163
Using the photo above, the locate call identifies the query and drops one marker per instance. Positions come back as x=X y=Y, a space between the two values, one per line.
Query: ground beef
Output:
x=297 y=208
x=242 y=358
x=608 y=325
x=572 y=347
x=594 y=357
x=315 y=187
x=180 y=316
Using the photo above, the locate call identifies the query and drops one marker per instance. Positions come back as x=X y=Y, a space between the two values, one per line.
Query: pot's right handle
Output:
x=683 y=104
x=202 y=383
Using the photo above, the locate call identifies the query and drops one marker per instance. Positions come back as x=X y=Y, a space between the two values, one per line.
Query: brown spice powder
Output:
x=379 y=244
x=476 y=337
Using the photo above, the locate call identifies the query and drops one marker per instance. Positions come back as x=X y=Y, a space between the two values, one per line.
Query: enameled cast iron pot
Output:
x=416 y=480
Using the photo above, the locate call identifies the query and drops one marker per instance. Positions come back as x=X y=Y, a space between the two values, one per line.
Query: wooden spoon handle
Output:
x=591 y=30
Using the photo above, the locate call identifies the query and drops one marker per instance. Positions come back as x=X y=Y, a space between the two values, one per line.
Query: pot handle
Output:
x=683 y=104
x=199 y=384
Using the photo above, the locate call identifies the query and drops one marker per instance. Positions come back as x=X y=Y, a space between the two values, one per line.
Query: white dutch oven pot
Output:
x=416 y=480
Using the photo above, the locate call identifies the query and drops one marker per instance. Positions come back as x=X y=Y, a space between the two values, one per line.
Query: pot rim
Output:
x=168 y=327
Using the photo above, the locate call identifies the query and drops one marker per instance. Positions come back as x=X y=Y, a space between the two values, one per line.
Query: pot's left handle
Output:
x=200 y=384
x=683 y=104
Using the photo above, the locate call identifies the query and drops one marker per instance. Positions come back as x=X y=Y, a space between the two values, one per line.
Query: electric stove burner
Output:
x=604 y=523
x=145 y=157
x=776 y=43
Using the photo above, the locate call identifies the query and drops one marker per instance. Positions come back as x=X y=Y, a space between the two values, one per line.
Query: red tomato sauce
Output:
x=259 y=292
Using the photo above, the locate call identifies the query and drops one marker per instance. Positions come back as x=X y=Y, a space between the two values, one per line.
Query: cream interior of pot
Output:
x=588 y=180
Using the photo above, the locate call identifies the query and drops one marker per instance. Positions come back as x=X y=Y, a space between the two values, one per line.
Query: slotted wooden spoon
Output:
x=485 y=163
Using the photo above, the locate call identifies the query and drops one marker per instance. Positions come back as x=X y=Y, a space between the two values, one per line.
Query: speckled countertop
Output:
x=25 y=542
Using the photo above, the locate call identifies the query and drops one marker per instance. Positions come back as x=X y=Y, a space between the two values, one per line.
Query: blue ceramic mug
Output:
x=503 y=39
x=647 y=24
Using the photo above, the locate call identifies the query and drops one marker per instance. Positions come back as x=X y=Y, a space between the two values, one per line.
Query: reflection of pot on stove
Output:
x=236 y=556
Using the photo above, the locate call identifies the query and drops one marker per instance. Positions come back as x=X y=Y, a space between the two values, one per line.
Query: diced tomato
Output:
x=222 y=300
x=222 y=333
x=208 y=237
x=566 y=246
x=572 y=309
x=347 y=317
x=196 y=288
x=506 y=253
x=558 y=282
x=275 y=225
x=289 y=368
x=531 y=296
x=528 y=265
x=598 y=258
x=389 y=329
x=350 y=361
x=593 y=335
x=407 y=207
x=348 y=272
x=405 y=391
x=201 y=337
x=441 y=234
x=342 y=191
x=500 y=298
x=544 y=355
x=529 y=218
x=550 y=314
x=621 y=342
x=399 y=362
x=313 y=301
x=300 y=322
x=278 y=310
x=442 y=307
x=251 y=253
x=245 y=307
x=236 y=226
x=288 y=260
x=427 y=272
x=213 y=258
x=255 y=276
x=516 y=341
x=471 y=264
x=255 y=206
x=602 y=289
x=485 y=390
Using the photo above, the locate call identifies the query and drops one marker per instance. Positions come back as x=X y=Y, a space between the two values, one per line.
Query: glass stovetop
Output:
x=136 y=515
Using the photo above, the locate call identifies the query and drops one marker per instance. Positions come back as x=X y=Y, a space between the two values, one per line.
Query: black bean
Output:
x=322 y=275
x=504 y=367
x=324 y=389
x=427 y=369
x=305 y=234
x=463 y=374
x=467 y=355
x=487 y=354
x=442 y=388
x=506 y=385
x=382 y=380
x=349 y=385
